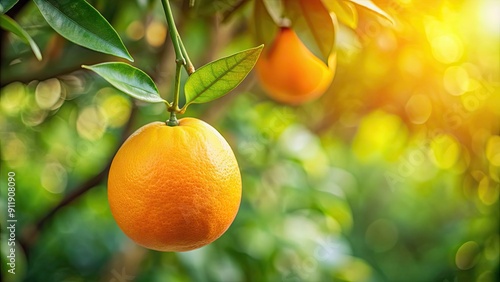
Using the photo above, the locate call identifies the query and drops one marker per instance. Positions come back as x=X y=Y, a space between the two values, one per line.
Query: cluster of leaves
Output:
x=82 y=24
x=315 y=21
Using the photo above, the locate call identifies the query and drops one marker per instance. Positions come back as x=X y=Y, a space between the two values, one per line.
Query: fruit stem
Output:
x=180 y=51
x=172 y=121
x=174 y=108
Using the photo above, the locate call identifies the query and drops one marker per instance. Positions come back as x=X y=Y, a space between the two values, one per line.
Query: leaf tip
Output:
x=126 y=55
x=39 y=57
x=259 y=49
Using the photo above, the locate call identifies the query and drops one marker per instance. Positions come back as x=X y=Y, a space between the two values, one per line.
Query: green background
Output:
x=392 y=175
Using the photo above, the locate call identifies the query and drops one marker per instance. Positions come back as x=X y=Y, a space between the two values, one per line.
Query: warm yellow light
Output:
x=493 y=150
x=456 y=80
x=447 y=48
x=418 y=108
x=489 y=16
x=156 y=34
x=91 y=123
x=445 y=151
x=380 y=134
x=48 y=93
x=135 y=30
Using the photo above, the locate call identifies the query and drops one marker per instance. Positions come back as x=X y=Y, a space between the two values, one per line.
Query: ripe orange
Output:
x=290 y=73
x=174 y=188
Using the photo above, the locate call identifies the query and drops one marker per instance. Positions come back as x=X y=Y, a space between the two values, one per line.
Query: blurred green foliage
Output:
x=393 y=175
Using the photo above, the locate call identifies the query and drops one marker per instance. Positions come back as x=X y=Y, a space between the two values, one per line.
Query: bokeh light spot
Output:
x=355 y=270
x=493 y=150
x=456 y=80
x=91 y=123
x=492 y=247
x=48 y=93
x=54 y=178
x=115 y=106
x=410 y=61
x=32 y=114
x=487 y=276
x=494 y=173
x=381 y=235
x=13 y=96
x=488 y=15
x=299 y=142
x=467 y=255
x=487 y=192
x=14 y=150
x=418 y=108
x=380 y=134
x=447 y=48
x=156 y=34
x=135 y=30
x=445 y=151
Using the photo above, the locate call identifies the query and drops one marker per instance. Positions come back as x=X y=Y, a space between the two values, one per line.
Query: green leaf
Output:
x=344 y=10
x=265 y=26
x=5 y=5
x=368 y=4
x=275 y=10
x=79 y=22
x=217 y=78
x=129 y=79
x=311 y=20
x=9 y=24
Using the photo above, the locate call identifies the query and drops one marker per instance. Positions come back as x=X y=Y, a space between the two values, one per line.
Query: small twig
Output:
x=181 y=56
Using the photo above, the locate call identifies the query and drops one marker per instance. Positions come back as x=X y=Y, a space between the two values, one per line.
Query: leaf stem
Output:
x=180 y=51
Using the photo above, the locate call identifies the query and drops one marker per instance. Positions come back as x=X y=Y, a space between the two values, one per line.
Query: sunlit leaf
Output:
x=312 y=20
x=345 y=11
x=129 y=79
x=368 y=4
x=275 y=9
x=265 y=26
x=79 y=22
x=9 y=24
x=217 y=78
x=5 y=5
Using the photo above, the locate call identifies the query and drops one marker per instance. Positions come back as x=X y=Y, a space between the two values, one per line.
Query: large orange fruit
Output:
x=174 y=188
x=290 y=73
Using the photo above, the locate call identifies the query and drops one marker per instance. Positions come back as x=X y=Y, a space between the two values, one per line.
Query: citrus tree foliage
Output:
x=392 y=175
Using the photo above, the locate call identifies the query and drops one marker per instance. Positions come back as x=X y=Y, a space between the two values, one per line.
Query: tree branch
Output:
x=31 y=235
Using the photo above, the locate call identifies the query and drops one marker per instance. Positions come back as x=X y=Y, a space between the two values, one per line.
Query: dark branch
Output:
x=31 y=235
x=75 y=193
